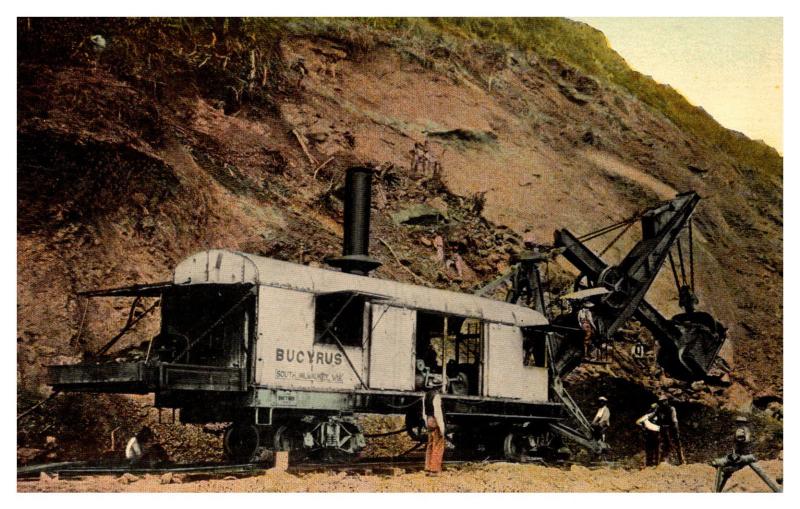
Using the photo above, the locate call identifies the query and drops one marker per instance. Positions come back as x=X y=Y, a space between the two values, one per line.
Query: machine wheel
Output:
x=241 y=442
x=545 y=445
x=514 y=447
x=289 y=437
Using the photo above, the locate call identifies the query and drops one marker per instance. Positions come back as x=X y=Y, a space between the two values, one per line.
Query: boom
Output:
x=689 y=341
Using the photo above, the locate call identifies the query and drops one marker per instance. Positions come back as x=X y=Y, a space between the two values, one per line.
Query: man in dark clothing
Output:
x=651 y=433
x=667 y=420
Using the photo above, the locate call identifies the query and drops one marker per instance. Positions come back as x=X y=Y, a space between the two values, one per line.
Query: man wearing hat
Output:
x=667 y=420
x=586 y=322
x=601 y=419
x=651 y=432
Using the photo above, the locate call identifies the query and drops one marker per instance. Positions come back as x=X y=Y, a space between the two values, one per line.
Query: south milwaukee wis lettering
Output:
x=308 y=357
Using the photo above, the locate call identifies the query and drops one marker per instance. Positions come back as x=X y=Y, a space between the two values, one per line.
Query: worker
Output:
x=431 y=359
x=416 y=157
x=434 y=422
x=651 y=435
x=137 y=445
x=601 y=419
x=142 y=449
x=742 y=436
x=586 y=322
x=739 y=458
x=669 y=430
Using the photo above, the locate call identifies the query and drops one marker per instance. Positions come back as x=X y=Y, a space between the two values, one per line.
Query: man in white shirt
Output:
x=137 y=445
x=602 y=419
x=651 y=432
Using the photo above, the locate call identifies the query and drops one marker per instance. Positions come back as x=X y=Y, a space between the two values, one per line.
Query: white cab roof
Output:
x=230 y=267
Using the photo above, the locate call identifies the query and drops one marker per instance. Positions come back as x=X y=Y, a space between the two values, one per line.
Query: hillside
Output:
x=182 y=135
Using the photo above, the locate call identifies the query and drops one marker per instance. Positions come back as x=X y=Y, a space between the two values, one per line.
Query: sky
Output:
x=731 y=67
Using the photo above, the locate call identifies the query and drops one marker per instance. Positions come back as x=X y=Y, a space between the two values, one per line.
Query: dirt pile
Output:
x=187 y=135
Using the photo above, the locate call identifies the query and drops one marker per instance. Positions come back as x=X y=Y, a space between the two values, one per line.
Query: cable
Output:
x=680 y=257
x=674 y=272
x=417 y=446
x=601 y=231
x=609 y=228
x=615 y=239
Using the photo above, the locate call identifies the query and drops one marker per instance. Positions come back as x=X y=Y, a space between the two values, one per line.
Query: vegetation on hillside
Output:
x=581 y=46
x=574 y=43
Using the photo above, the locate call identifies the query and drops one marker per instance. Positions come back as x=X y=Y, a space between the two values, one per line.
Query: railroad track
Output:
x=374 y=466
x=80 y=469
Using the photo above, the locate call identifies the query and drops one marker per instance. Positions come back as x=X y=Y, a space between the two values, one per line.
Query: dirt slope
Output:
x=181 y=138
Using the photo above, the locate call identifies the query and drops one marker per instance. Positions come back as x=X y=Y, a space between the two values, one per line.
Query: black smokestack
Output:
x=355 y=257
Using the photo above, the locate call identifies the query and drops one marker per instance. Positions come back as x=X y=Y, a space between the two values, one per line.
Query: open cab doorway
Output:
x=449 y=352
x=204 y=344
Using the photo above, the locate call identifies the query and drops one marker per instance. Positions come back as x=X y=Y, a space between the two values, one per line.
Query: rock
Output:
x=44 y=477
x=738 y=399
x=696 y=169
x=764 y=398
x=589 y=138
x=775 y=410
x=166 y=478
x=418 y=214
x=148 y=223
x=586 y=85
x=468 y=135
x=774 y=406
x=229 y=478
x=573 y=95
x=27 y=454
x=425 y=241
x=698 y=385
x=317 y=137
x=440 y=205
x=716 y=390
x=127 y=478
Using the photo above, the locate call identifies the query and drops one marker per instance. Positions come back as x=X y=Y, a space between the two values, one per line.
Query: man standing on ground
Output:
x=667 y=420
x=434 y=421
x=137 y=445
x=602 y=419
x=651 y=435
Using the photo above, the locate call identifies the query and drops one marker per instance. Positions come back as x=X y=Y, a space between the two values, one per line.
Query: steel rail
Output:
x=377 y=464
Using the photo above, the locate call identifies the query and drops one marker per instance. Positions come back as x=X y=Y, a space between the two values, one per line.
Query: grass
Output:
x=426 y=39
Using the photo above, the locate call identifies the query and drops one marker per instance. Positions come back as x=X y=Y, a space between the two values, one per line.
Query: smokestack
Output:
x=355 y=257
